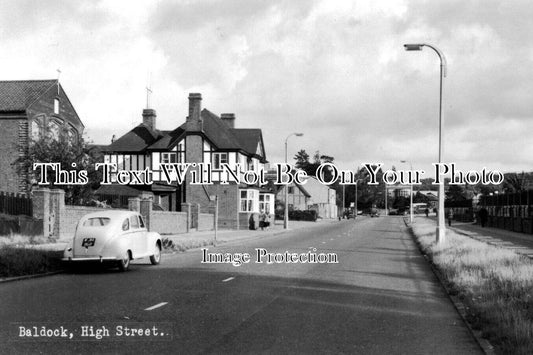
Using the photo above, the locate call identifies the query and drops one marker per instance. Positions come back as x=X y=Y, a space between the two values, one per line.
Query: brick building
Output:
x=30 y=109
x=203 y=138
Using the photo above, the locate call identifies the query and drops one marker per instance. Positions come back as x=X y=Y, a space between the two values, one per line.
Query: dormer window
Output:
x=56 y=106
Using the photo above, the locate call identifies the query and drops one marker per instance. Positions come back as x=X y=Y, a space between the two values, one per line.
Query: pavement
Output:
x=381 y=297
x=223 y=235
x=521 y=243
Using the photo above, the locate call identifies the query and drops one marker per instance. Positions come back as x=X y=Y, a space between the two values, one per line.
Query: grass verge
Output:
x=20 y=261
x=183 y=243
x=495 y=284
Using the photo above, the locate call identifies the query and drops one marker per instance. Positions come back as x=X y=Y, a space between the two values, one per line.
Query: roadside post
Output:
x=215 y=198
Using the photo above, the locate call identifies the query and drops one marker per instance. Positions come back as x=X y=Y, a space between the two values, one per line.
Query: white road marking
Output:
x=228 y=279
x=323 y=242
x=156 y=306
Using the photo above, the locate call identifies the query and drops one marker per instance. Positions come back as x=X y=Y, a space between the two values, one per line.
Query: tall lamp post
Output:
x=411 y=193
x=441 y=229
x=286 y=219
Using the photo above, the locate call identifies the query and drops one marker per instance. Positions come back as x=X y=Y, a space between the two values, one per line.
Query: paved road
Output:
x=380 y=298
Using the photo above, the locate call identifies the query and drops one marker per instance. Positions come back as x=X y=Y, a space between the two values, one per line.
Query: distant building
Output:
x=313 y=195
x=30 y=109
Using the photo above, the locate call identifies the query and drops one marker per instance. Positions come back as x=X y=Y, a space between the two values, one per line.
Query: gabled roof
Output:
x=136 y=140
x=215 y=130
x=168 y=139
x=249 y=138
x=218 y=132
x=19 y=94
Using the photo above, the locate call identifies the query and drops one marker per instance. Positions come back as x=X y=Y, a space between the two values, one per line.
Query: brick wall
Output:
x=60 y=220
x=10 y=139
x=169 y=222
x=206 y=222
x=70 y=217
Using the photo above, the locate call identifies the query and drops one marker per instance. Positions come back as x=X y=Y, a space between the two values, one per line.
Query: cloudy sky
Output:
x=334 y=70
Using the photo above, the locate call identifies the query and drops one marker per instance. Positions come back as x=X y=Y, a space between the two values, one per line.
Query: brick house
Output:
x=30 y=109
x=203 y=138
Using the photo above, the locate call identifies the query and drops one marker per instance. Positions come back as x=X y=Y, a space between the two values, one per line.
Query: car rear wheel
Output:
x=156 y=258
x=124 y=263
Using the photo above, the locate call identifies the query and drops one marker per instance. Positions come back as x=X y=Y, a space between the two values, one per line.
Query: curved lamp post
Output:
x=441 y=229
x=286 y=219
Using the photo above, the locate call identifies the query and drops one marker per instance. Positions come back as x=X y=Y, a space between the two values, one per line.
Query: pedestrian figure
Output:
x=426 y=211
x=264 y=220
x=450 y=217
x=483 y=216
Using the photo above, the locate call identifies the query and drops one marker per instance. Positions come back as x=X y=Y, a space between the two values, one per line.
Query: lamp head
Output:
x=298 y=134
x=413 y=47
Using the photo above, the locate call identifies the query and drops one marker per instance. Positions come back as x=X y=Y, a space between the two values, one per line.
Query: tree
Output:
x=455 y=193
x=74 y=155
x=514 y=182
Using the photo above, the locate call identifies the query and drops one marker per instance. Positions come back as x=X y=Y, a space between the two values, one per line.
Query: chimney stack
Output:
x=194 y=120
x=149 y=117
x=229 y=118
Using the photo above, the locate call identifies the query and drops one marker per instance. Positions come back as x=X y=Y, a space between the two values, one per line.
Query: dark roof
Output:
x=215 y=130
x=18 y=95
x=249 y=138
x=168 y=139
x=136 y=140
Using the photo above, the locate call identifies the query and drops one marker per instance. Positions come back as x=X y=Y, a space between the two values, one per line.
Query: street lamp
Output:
x=411 y=198
x=286 y=219
x=441 y=229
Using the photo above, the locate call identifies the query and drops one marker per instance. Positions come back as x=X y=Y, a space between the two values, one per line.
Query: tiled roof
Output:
x=136 y=140
x=217 y=131
x=18 y=95
x=249 y=138
x=168 y=138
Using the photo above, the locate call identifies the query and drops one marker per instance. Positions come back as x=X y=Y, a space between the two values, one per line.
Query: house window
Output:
x=265 y=203
x=35 y=130
x=169 y=158
x=54 y=128
x=291 y=189
x=72 y=136
x=250 y=164
x=249 y=201
x=219 y=159
x=56 y=106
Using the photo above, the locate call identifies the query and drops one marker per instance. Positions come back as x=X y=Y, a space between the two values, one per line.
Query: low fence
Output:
x=70 y=215
x=205 y=221
x=15 y=204
x=169 y=222
x=59 y=220
x=21 y=225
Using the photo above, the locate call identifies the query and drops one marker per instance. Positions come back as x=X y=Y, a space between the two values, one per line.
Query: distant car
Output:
x=113 y=237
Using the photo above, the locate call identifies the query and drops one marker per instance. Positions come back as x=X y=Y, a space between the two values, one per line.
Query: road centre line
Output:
x=156 y=306
x=228 y=279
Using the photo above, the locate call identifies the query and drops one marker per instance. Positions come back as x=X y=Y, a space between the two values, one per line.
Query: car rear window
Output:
x=96 y=222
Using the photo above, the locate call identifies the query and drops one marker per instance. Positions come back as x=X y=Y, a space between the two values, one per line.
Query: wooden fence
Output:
x=15 y=204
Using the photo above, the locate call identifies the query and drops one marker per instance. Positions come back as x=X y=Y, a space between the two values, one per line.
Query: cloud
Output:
x=335 y=71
